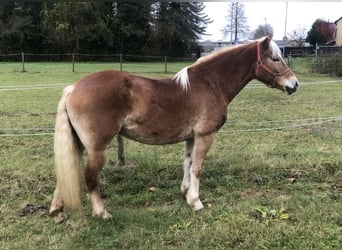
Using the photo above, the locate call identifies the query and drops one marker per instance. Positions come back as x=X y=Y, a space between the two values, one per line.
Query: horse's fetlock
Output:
x=184 y=189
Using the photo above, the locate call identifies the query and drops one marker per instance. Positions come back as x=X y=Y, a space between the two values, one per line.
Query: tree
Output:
x=18 y=23
x=297 y=36
x=133 y=21
x=78 y=27
x=101 y=27
x=176 y=27
x=321 y=32
x=98 y=27
x=237 y=22
x=262 y=30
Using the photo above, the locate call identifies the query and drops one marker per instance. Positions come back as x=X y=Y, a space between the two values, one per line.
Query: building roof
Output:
x=338 y=20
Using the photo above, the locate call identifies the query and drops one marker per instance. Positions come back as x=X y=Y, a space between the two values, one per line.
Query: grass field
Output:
x=272 y=179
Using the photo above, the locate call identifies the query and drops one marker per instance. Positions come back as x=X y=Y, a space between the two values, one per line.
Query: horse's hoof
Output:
x=55 y=210
x=60 y=217
x=104 y=215
x=198 y=205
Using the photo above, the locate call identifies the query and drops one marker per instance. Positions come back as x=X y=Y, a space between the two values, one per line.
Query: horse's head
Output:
x=271 y=68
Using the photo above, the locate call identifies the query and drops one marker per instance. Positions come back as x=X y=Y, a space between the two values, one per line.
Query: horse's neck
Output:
x=230 y=72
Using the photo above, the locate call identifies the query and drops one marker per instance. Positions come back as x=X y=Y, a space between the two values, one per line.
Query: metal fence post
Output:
x=165 y=61
x=120 y=61
x=73 y=62
x=121 y=149
x=23 y=61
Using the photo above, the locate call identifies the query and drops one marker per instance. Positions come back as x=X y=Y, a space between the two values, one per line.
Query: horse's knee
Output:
x=197 y=171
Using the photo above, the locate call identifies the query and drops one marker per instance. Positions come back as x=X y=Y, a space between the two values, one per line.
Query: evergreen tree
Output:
x=133 y=23
x=33 y=41
x=16 y=25
x=177 y=26
x=101 y=27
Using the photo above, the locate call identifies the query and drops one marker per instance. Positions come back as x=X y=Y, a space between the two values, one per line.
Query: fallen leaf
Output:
x=292 y=180
x=152 y=189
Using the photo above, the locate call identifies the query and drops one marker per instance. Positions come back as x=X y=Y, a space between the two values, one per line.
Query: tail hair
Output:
x=68 y=156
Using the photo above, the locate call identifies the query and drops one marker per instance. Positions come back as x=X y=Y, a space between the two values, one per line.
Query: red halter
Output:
x=260 y=64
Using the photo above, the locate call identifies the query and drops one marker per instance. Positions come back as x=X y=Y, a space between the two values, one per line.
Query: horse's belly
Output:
x=152 y=136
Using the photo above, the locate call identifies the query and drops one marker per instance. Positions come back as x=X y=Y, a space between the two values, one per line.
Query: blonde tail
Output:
x=68 y=157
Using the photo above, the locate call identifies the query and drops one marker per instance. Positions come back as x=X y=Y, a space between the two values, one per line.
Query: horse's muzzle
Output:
x=290 y=90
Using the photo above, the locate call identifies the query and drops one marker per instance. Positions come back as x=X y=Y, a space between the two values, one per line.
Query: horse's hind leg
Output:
x=96 y=159
x=57 y=207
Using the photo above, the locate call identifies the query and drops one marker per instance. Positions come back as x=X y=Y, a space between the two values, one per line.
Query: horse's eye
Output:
x=275 y=59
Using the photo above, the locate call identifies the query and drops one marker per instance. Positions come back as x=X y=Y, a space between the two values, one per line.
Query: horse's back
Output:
x=108 y=80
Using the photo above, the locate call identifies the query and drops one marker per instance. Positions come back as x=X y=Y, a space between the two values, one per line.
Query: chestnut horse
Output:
x=190 y=107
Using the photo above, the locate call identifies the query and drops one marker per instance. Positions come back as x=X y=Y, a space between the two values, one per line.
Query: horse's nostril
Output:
x=296 y=85
x=290 y=90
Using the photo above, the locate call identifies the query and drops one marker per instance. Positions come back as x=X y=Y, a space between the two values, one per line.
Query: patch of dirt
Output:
x=128 y=164
x=250 y=192
x=33 y=209
x=335 y=191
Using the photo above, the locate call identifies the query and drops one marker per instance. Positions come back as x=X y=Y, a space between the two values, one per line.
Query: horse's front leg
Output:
x=189 y=145
x=95 y=161
x=200 y=150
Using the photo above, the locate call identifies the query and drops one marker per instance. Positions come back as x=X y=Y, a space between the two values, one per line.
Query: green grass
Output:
x=45 y=72
x=261 y=188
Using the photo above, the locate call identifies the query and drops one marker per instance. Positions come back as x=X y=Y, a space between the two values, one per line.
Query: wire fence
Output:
x=230 y=127
x=323 y=60
x=23 y=59
x=24 y=87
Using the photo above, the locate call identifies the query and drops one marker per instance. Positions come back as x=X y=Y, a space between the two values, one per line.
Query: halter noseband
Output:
x=259 y=64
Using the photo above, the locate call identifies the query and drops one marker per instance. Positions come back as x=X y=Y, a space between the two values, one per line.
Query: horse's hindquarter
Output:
x=98 y=105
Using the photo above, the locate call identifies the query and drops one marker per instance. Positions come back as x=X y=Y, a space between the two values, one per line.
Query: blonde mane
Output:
x=216 y=53
x=182 y=77
x=276 y=52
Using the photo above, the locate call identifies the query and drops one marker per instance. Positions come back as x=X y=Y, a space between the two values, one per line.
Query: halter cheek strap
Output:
x=260 y=64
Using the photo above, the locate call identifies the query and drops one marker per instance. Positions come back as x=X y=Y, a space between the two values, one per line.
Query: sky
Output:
x=299 y=14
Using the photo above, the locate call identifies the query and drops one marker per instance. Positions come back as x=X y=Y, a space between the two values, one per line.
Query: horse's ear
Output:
x=266 y=43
